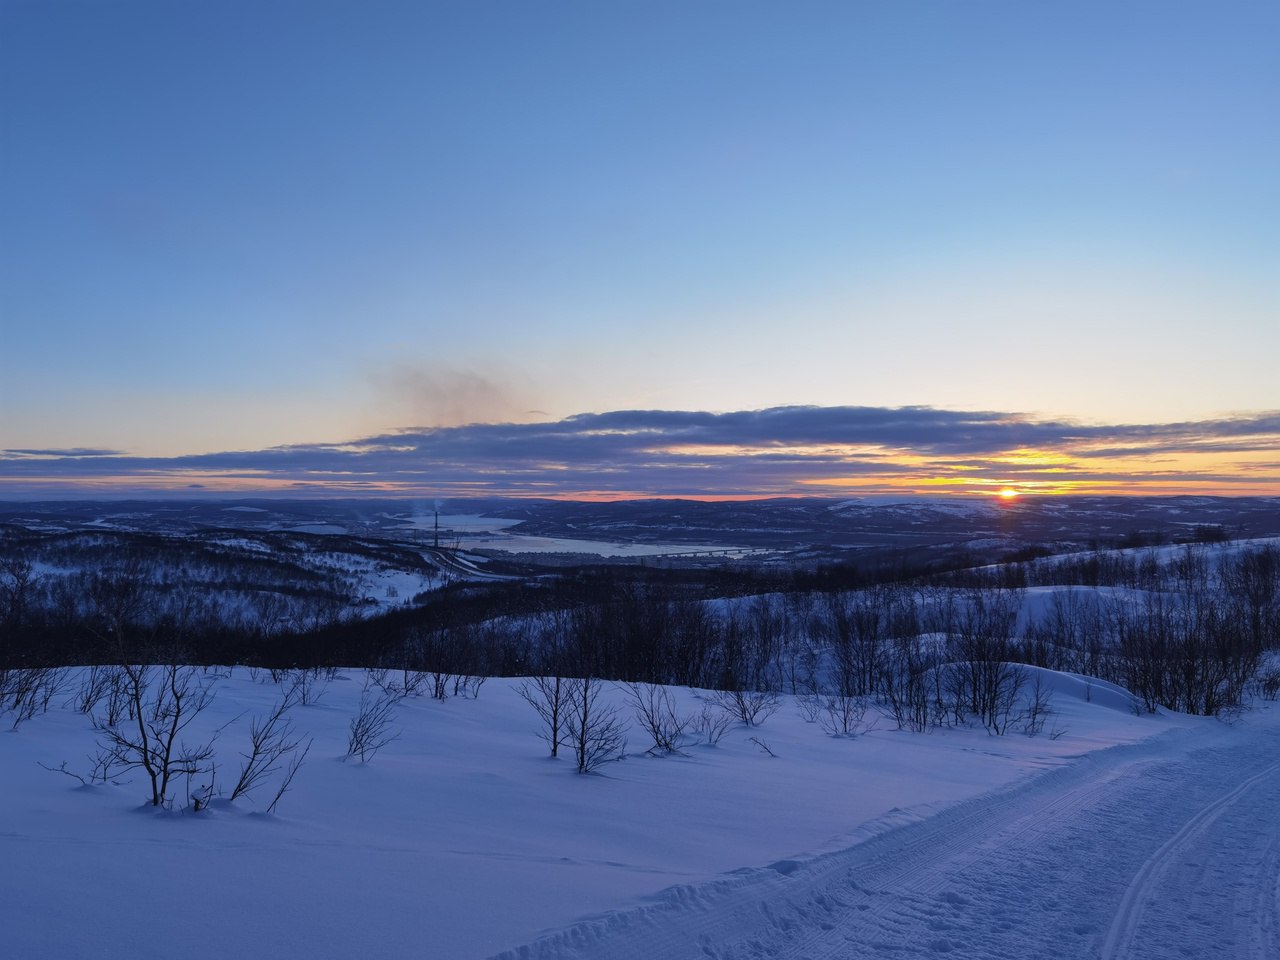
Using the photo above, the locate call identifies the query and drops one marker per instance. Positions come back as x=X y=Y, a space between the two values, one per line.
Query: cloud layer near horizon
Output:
x=776 y=451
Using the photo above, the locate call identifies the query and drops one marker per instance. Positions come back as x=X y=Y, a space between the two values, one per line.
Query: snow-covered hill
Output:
x=462 y=839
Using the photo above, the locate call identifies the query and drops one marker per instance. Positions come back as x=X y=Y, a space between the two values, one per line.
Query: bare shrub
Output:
x=844 y=716
x=655 y=711
x=102 y=770
x=271 y=741
x=95 y=683
x=810 y=706
x=307 y=685
x=27 y=691
x=712 y=724
x=371 y=728
x=295 y=763
x=1269 y=682
x=117 y=703
x=749 y=707
x=988 y=690
x=412 y=682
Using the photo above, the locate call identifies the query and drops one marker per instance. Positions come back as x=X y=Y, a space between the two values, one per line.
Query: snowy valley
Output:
x=1075 y=755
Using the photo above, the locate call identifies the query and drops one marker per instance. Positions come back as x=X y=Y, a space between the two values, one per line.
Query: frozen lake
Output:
x=488 y=533
x=602 y=548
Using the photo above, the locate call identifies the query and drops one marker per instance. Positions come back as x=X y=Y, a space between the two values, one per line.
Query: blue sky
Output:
x=247 y=226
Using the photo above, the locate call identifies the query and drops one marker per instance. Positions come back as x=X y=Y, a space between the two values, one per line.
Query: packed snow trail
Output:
x=1168 y=848
x=1186 y=849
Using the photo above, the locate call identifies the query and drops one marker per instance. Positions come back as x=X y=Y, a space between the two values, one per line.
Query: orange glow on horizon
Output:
x=116 y=487
x=684 y=471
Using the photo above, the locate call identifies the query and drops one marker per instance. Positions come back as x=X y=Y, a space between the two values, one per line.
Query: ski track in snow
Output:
x=1184 y=850
x=1164 y=849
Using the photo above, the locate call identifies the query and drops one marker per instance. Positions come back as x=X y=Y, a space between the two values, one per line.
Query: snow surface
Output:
x=1141 y=836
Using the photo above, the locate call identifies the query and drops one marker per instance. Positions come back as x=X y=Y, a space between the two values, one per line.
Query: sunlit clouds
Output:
x=780 y=451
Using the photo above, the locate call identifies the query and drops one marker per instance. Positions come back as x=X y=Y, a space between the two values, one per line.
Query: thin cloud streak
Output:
x=59 y=453
x=793 y=450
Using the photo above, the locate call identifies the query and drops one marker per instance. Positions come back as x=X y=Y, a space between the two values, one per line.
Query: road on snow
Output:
x=1163 y=849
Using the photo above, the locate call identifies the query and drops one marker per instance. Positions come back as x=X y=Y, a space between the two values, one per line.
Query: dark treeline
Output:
x=1184 y=628
x=290 y=599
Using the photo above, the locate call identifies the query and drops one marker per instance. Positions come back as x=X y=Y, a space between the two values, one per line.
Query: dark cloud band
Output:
x=684 y=453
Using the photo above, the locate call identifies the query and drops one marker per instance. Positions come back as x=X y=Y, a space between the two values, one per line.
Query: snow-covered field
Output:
x=1125 y=836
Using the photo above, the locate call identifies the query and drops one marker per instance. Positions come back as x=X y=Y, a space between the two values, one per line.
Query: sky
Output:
x=639 y=249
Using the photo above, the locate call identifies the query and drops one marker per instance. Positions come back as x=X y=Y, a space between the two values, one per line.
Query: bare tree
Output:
x=440 y=682
x=594 y=730
x=471 y=685
x=1039 y=708
x=162 y=701
x=910 y=684
x=855 y=627
x=981 y=679
x=1253 y=578
x=549 y=697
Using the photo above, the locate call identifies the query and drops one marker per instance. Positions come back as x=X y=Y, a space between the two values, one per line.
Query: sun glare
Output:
x=1008 y=493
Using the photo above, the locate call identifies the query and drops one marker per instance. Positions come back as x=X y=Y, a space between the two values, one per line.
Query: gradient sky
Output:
x=420 y=247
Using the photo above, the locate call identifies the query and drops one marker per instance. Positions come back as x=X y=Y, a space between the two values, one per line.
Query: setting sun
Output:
x=1008 y=493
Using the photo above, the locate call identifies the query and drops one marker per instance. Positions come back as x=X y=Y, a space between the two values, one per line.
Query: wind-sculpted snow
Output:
x=463 y=840
x=1163 y=849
